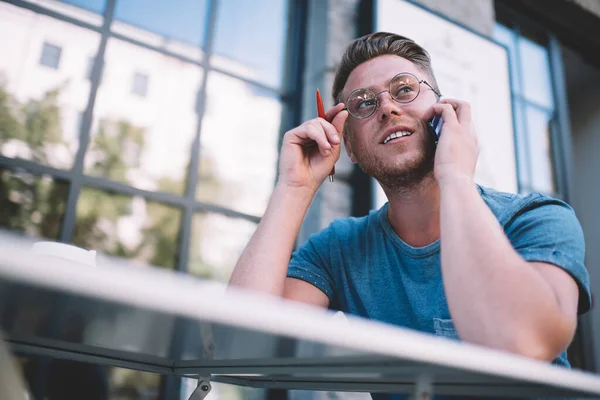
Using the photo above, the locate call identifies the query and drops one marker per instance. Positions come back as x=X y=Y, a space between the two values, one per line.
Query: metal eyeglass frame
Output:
x=378 y=103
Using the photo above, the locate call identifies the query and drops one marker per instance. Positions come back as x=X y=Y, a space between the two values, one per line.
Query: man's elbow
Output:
x=545 y=344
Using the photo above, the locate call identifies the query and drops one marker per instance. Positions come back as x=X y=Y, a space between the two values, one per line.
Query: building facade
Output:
x=149 y=130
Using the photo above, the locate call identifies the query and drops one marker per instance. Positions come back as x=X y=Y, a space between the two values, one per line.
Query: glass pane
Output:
x=127 y=227
x=217 y=243
x=521 y=146
x=34 y=205
x=536 y=78
x=238 y=156
x=65 y=379
x=96 y=6
x=540 y=152
x=144 y=140
x=250 y=48
x=505 y=36
x=39 y=106
x=88 y=11
x=176 y=25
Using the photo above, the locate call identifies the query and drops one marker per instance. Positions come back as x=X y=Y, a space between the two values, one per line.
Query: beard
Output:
x=404 y=173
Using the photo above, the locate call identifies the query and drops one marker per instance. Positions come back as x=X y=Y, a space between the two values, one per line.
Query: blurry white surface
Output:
x=66 y=251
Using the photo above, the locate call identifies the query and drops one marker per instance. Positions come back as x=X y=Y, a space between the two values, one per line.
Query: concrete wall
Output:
x=478 y=15
x=584 y=100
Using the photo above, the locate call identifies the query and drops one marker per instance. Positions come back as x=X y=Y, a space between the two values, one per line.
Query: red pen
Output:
x=321 y=114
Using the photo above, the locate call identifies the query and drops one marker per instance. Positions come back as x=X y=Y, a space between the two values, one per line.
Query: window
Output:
x=533 y=94
x=257 y=54
x=139 y=84
x=90 y=68
x=50 y=56
x=158 y=181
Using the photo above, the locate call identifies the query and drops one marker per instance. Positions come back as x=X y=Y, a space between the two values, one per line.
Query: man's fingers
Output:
x=319 y=131
x=339 y=121
x=333 y=112
x=331 y=132
x=462 y=109
x=315 y=131
x=447 y=112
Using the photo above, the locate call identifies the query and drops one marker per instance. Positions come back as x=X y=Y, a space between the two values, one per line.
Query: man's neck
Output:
x=414 y=213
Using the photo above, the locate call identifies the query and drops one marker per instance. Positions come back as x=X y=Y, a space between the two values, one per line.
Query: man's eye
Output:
x=402 y=90
x=366 y=103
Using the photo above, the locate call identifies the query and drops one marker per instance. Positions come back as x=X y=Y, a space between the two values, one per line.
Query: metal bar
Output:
x=407 y=387
x=124 y=189
x=119 y=187
x=225 y=211
x=331 y=361
x=95 y=358
x=54 y=14
x=190 y=195
x=185 y=232
x=68 y=227
x=34 y=168
x=524 y=127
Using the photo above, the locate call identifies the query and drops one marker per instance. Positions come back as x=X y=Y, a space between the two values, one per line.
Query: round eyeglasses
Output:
x=404 y=88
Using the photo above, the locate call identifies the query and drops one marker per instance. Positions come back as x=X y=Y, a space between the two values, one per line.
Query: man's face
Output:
x=400 y=162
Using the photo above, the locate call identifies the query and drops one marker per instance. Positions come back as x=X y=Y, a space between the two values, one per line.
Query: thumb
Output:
x=339 y=121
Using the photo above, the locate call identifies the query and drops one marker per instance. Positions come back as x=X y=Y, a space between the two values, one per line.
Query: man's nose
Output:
x=388 y=107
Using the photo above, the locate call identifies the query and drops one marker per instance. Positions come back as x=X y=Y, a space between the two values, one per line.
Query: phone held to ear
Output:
x=435 y=125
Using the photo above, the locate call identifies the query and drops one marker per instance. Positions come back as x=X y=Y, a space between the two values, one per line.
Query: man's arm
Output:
x=307 y=156
x=495 y=297
x=264 y=263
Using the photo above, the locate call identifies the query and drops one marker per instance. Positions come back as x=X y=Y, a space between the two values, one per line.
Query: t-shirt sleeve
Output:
x=547 y=230
x=312 y=263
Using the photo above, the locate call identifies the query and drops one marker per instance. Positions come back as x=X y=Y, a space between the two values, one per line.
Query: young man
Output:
x=444 y=255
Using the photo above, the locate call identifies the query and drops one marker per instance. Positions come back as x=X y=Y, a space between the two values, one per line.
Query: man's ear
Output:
x=348 y=146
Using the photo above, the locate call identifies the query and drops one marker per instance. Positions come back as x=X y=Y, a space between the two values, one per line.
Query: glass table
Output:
x=169 y=323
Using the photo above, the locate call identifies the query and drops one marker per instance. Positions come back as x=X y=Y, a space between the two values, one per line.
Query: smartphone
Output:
x=435 y=127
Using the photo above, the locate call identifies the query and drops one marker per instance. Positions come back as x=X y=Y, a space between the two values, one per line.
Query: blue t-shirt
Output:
x=366 y=269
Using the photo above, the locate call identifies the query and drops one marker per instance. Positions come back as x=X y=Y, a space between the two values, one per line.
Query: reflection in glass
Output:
x=65 y=379
x=536 y=78
x=222 y=391
x=144 y=141
x=175 y=25
x=248 y=47
x=521 y=146
x=217 y=243
x=96 y=6
x=540 y=152
x=127 y=227
x=34 y=205
x=39 y=106
x=505 y=36
x=239 y=145
x=50 y=55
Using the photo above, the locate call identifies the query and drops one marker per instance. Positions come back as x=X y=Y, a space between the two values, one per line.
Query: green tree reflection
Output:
x=36 y=205
x=28 y=203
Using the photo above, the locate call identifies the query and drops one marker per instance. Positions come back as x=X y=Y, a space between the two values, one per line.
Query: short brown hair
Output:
x=379 y=44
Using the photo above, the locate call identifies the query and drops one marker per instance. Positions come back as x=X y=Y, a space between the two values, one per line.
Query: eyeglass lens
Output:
x=403 y=88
